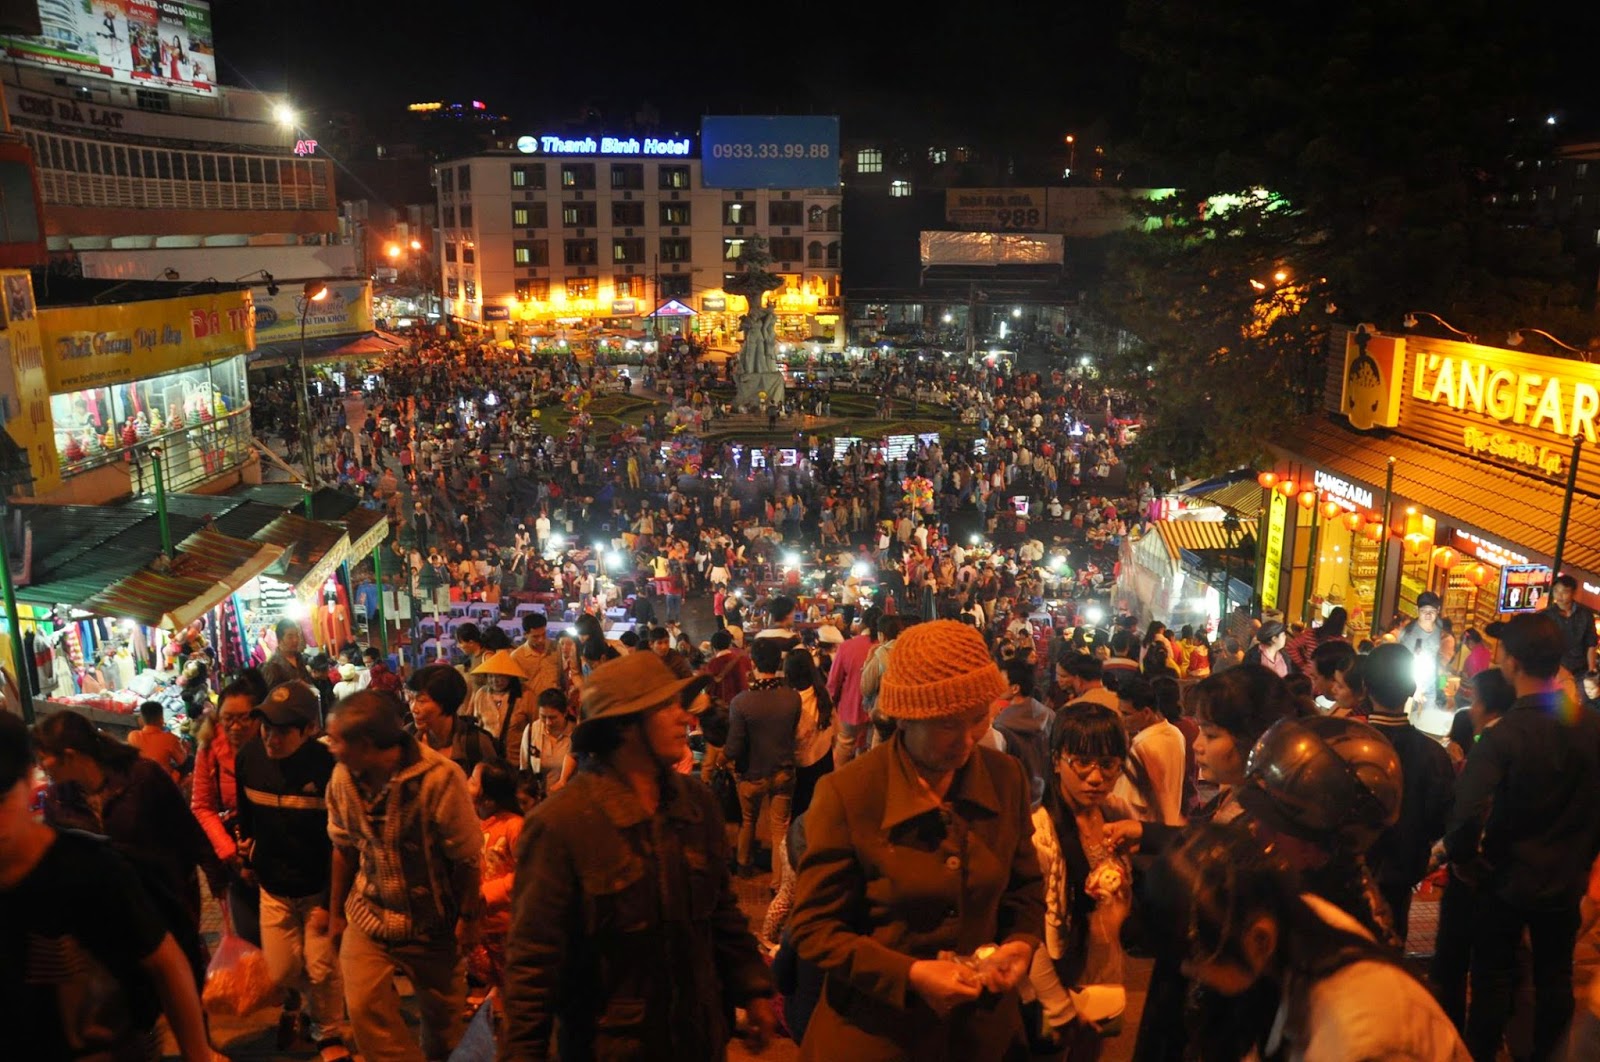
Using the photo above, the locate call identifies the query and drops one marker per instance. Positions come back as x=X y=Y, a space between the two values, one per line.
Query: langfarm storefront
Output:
x=1437 y=465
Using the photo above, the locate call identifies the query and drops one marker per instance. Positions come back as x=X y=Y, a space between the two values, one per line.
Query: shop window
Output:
x=673 y=177
x=580 y=287
x=675 y=213
x=787 y=248
x=578 y=215
x=732 y=249
x=869 y=160
x=577 y=175
x=528 y=176
x=675 y=287
x=464 y=178
x=781 y=212
x=628 y=287
x=627 y=215
x=580 y=252
x=899 y=189
x=675 y=249
x=530 y=216
x=189 y=413
x=738 y=213
x=628 y=251
x=627 y=175
x=533 y=291
x=531 y=252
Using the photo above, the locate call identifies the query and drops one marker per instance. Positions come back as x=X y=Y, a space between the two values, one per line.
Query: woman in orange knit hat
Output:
x=920 y=897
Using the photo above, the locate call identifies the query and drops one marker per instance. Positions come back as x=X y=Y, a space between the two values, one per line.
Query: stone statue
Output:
x=758 y=372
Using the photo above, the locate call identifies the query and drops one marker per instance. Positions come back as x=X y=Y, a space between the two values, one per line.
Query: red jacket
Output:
x=214 y=798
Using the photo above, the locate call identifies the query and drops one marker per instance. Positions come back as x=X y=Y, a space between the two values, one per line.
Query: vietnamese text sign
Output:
x=790 y=151
x=25 y=390
x=90 y=346
x=164 y=44
x=1272 y=563
x=346 y=310
x=996 y=209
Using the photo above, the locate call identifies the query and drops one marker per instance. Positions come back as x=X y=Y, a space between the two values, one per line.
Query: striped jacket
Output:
x=283 y=817
x=408 y=841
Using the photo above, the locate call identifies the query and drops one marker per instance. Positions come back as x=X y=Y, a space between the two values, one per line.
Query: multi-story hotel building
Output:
x=606 y=231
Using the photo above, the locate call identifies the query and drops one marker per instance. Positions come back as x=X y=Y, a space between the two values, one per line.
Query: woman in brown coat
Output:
x=920 y=850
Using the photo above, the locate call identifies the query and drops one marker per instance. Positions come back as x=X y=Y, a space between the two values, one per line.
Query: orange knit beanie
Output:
x=938 y=669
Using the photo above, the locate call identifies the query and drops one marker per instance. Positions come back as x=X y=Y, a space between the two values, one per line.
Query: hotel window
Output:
x=737 y=213
x=471 y=290
x=628 y=175
x=675 y=249
x=577 y=175
x=899 y=189
x=869 y=160
x=628 y=251
x=531 y=252
x=628 y=287
x=452 y=288
x=528 y=176
x=785 y=212
x=464 y=180
x=578 y=215
x=675 y=287
x=674 y=213
x=627 y=215
x=580 y=252
x=449 y=217
x=673 y=177
x=468 y=255
x=530 y=216
x=466 y=216
x=787 y=248
x=938 y=156
x=814 y=252
x=533 y=290
x=449 y=252
x=732 y=249
x=447 y=181
x=580 y=287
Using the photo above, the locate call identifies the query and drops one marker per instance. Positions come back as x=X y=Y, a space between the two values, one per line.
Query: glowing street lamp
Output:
x=285 y=115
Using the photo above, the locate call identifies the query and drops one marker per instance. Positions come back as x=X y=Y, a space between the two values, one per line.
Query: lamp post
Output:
x=1566 y=504
x=315 y=291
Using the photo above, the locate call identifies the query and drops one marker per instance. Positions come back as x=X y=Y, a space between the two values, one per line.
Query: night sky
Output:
x=1000 y=65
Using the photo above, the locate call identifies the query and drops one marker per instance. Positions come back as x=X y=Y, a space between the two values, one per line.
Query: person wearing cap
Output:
x=626 y=936
x=282 y=778
x=503 y=703
x=920 y=848
x=1425 y=638
x=1526 y=831
x=352 y=679
x=405 y=893
x=1268 y=648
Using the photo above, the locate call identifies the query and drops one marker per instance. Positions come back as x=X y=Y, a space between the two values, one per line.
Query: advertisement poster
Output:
x=89 y=346
x=162 y=44
x=752 y=151
x=25 y=390
x=996 y=209
x=346 y=310
x=1523 y=587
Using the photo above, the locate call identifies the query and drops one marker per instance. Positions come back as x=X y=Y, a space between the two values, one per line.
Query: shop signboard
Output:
x=1272 y=561
x=1484 y=549
x=91 y=346
x=1373 y=365
x=159 y=44
x=713 y=303
x=624 y=307
x=996 y=209
x=1524 y=587
x=25 y=390
x=345 y=311
x=1350 y=495
x=769 y=151
x=494 y=312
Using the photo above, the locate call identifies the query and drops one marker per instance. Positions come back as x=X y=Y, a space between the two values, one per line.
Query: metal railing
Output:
x=76 y=171
x=190 y=456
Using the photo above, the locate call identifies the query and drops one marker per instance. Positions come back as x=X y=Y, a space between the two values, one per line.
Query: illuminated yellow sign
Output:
x=90 y=346
x=1538 y=393
x=25 y=391
x=1372 y=367
x=418 y=107
x=1272 y=563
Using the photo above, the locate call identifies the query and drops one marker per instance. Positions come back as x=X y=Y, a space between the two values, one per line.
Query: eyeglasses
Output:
x=1082 y=766
x=232 y=719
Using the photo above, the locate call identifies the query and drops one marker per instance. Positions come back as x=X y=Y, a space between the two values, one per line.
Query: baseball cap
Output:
x=1429 y=599
x=291 y=704
x=1532 y=639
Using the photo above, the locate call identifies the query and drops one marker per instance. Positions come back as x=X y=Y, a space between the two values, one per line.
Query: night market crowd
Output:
x=983 y=792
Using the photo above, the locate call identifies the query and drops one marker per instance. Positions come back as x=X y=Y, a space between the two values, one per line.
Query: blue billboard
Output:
x=782 y=151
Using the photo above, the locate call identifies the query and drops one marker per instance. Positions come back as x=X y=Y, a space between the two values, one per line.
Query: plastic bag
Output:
x=238 y=982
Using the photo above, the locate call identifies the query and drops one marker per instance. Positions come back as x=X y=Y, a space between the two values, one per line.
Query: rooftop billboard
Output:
x=158 y=44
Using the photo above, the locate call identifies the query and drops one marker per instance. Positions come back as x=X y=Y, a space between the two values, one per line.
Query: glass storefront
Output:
x=1345 y=572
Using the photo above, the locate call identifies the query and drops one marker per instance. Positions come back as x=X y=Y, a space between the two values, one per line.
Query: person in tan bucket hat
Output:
x=625 y=934
x=920 y=848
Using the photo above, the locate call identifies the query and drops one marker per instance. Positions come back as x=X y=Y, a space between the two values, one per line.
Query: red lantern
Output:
x=1479 y=574
x=1268 y=480
x=1375 y=531
x=1308 y=500
x=1286 y=488
x=1353 y=520
x=1444 y=557
x=1416 y=542
x=1330 y=509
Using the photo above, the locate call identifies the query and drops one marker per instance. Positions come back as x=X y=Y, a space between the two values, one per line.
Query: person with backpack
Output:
x=1026 y=726
x=439 y=691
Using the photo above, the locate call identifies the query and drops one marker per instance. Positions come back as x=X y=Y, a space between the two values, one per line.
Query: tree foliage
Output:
x=1382 y=135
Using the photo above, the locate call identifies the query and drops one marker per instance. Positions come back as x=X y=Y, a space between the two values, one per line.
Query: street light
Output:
x=392 y=250
x=314 y=291
x=416 y=245
x=285 y=115
x=1410 y=321
x=1515 y=339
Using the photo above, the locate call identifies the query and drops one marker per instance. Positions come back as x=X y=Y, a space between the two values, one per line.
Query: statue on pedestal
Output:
x=758 y=374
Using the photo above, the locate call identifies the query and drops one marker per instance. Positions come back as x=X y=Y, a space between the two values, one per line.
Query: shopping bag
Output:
x=237 y=981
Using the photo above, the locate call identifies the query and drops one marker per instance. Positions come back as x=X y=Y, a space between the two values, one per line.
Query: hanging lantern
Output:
x=1286 y=488
x=1479 y=574
x=1444 y=557
x=1375 y=531
x=1330 y=509
x=1353 y=521
x=1268 y=480
x=1415 y=542
x=1308 y=500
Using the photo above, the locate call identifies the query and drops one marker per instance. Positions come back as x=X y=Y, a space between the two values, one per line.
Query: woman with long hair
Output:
x=813 y=738
x=1281 y=973
x=103 y=786
x=214 y=798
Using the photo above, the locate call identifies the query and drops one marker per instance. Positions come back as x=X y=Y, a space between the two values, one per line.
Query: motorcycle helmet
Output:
x=1328 y=780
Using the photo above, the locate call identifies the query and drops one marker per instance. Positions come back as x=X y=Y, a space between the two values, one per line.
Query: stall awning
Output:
x=207 y=568
x=312 y=550
x=1243 y=497
x=238 y=559
x=1198 y=536
x=1473 y=495
x=367 y=529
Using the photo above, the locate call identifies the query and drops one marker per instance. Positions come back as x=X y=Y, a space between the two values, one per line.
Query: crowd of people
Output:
x=968 y=798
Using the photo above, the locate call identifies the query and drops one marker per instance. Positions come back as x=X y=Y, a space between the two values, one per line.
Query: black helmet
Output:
x=1324 y=779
